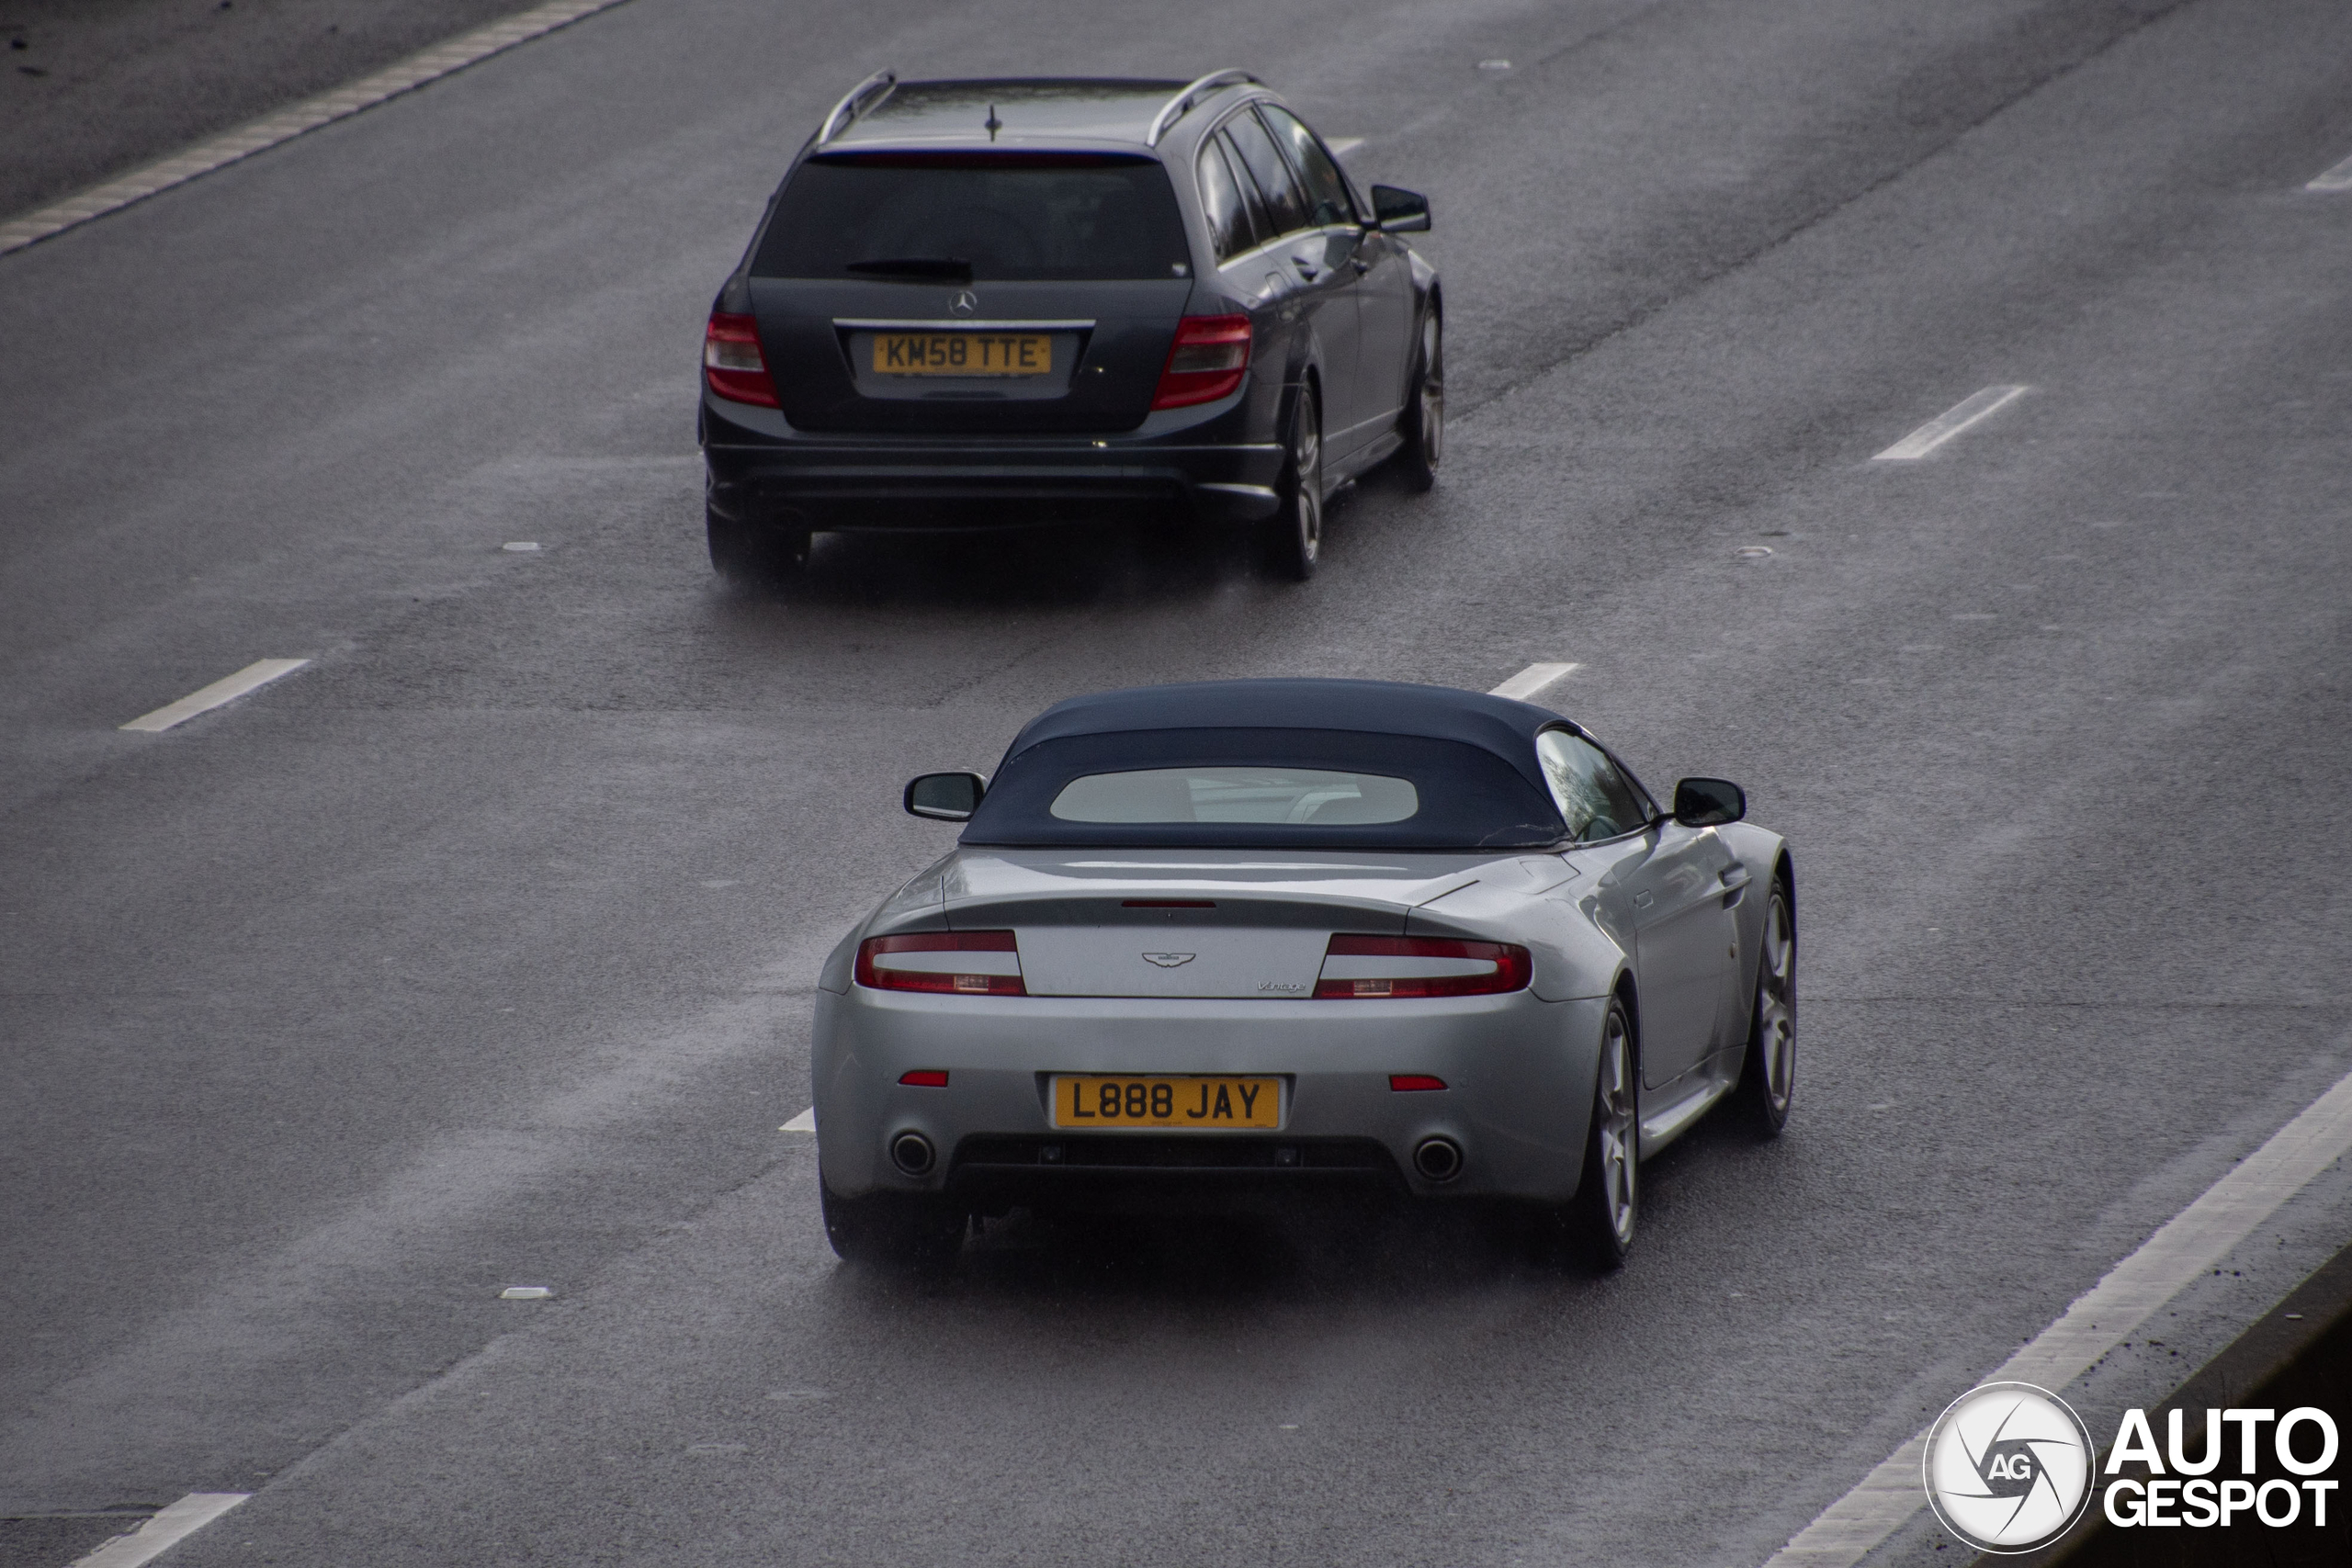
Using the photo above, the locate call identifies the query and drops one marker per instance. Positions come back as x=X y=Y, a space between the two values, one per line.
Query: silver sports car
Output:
x=1202 y=942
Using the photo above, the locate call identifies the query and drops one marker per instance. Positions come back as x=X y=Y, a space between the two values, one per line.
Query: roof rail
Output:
x=1179 y=106
x=863 y=97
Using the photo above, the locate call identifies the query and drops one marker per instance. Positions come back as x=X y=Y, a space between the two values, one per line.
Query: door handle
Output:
x=1306 y=269
x=1734 y=881
x=1644 y=900
x=1360 y=266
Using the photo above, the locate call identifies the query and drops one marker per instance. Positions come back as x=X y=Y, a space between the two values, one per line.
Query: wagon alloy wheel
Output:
x=1295 y=541
x=1769 y=1082
x=1608 y=1202
x=1424 y=428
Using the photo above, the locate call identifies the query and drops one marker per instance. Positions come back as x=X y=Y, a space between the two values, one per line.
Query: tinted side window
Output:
x=1272 y=175
x=1259 y=220
x=1229 y=215
x=1327 y=190
x=1598 y=801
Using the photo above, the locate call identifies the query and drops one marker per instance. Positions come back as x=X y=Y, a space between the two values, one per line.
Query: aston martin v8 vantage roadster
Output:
x=1200 y=943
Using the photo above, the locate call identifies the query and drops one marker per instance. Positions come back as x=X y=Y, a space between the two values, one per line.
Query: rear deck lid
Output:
x=1205 y=924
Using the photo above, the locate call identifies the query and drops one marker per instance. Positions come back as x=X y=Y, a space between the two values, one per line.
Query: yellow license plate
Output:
x=962 y=354
x=1168 y=1105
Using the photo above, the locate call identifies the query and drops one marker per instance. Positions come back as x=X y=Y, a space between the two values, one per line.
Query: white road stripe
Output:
x=1946 y=426
x=466 y=50
x=1524 y=686
x=804 y=1122
x=2336 y=178
x=1343 y=145
x=2192 y=1242
x=261 y=672
x=166 y=1530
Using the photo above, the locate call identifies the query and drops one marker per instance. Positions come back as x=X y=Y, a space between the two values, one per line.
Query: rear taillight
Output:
x=1387 y=966
x=731 y=361
x=1206 y=362
x=964 y=964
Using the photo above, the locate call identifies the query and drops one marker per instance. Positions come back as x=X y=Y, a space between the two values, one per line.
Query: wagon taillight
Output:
x=963 y=964
x=1382 y=967
x=731 y=361
x=1206 y=362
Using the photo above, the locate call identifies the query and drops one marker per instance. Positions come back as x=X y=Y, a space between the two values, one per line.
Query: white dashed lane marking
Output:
x=804 y=1122
x=259 y=674
x=2135 y=1289
x=166 y=1530
x=1535 y=678
x=2336 y=178
x=1970 y=411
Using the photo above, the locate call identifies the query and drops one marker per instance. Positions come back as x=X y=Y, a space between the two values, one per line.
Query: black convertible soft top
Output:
x=1471 y=758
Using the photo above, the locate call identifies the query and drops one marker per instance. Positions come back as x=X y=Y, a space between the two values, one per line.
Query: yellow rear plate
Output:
x=962 y=354
x=1171 y=1104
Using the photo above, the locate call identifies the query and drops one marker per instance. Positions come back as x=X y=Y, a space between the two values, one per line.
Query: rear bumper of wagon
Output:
x=764 y=471
x=1519 y=1073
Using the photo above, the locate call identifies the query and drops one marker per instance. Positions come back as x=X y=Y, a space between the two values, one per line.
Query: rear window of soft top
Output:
x=1007 y=217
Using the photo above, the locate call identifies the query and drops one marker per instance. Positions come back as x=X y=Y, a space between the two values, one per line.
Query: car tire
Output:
x=1423 y=425
x=1605 y=1212
x=904 y=1232
x=1768 y=1084
x=1294 y=535
x=753 y=554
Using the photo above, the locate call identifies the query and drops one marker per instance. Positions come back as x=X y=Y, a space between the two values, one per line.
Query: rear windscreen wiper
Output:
x=943 y=269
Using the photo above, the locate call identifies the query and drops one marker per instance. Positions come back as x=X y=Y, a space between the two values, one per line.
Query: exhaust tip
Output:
x=911 y=1152
x=1439 y=1159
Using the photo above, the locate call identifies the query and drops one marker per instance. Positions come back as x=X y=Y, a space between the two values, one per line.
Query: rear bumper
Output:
x=1518 y=1071
x=761 y=470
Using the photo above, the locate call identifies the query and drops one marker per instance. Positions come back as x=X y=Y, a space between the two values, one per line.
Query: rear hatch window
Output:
x=986 y=217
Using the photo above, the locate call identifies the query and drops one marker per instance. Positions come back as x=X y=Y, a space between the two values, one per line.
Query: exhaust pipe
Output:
x=1439 y=1159
x=911 y=1152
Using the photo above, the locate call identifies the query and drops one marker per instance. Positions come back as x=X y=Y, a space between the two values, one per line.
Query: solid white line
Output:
x=2336 y=178
x=1946 y=426
x=1524 y=686
x=1343 y=145
x=804 y=1122
x=166 y=1530
x=468 y=48
x=261 y=672
x=2192 y=1242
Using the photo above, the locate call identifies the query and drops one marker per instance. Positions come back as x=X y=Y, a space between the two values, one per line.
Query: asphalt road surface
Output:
x=479 y=952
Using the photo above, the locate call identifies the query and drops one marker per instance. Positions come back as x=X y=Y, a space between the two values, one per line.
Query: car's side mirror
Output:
x=1400 y=211
x=1709 y=803
x=945 y=798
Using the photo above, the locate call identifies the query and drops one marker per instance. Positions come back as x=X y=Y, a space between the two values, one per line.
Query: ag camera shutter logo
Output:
x=2008 y=1467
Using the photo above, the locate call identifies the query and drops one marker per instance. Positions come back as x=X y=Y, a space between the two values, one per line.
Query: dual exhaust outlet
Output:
x=1438 y=1159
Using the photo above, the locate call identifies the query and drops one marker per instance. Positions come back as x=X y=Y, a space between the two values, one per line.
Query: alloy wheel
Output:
x=1432 y=410
x=1306 y=463
x=1776 y=1005
x=1616 y=1130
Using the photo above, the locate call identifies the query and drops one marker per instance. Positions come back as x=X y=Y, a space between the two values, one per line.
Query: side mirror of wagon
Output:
x=1709 y=803
x=945 y=798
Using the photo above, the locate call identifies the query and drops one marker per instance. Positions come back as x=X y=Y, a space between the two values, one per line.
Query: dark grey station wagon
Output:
x=990 y=303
